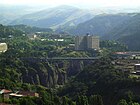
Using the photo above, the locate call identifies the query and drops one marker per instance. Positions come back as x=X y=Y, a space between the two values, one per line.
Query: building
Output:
x=86 y=42
x=137 y=67
x=5 y=93
x=28 y=93
x=3 y=47
x=19 y=94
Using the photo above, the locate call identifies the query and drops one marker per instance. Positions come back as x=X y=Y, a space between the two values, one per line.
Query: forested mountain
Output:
x=56 y=17
x=127 y=32
x=100 y=25
x=125 y=28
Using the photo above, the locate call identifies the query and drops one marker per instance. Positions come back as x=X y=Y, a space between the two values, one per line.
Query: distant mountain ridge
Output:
x=100 y=25
x=126 y=28
x=61 y=18
x=9 y=13
x=129 y=33
x=56 y=17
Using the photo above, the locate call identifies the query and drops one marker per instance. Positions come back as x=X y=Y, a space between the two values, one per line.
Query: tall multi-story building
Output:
x=86 y=42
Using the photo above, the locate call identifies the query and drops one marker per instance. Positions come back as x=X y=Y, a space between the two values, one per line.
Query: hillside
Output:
x=103 y=78
x=126 y=28
x=56 y=17
x=99 y=25
x=127 y=32
x=5 y=32
x=132 y=41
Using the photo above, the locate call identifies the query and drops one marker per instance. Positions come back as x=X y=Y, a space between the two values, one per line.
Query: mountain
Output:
x=4 y=20
x=8 y=13
x=61 y=18
x=56 y=17
x=128 y=33
x=99 y=25
x=125 y=28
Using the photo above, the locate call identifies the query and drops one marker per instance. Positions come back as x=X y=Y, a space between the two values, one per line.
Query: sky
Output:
x=82 y=3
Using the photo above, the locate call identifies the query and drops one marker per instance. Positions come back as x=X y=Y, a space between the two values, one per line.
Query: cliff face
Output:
x=50 y=74
x=43 y=74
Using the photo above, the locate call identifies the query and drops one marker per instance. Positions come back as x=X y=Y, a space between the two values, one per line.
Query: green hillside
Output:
x=127 y=32
x=99 y=25
x=6 y=32
x=126 y=28
x=132 y=41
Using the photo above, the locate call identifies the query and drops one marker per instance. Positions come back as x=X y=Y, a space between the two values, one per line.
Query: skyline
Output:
x=78 y=3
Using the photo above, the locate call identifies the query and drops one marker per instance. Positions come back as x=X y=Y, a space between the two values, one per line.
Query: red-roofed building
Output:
x=5 y=93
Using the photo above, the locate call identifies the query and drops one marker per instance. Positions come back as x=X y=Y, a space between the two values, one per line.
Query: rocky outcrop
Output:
x=50 y=74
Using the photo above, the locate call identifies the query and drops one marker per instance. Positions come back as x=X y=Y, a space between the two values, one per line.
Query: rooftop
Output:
x=4 y=91
x=137 y=64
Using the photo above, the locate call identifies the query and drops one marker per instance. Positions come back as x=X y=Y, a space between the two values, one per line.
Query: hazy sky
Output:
x=84 y=3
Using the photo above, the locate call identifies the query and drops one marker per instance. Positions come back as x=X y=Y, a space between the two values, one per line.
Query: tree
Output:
x=96 y=100
x=26 y=101
x=82 y=100
x=135 y=103
x=122 y=102
x=65 y=100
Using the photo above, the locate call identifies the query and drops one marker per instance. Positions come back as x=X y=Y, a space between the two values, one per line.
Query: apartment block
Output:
x=86 y=42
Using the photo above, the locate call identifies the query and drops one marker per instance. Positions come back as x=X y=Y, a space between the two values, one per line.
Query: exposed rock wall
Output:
x=51 y=73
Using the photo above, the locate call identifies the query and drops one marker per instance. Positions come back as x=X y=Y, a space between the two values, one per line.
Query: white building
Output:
x=3 y=47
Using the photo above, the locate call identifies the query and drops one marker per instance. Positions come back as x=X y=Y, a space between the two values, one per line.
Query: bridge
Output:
x=59 y=58
x=128 y=53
